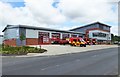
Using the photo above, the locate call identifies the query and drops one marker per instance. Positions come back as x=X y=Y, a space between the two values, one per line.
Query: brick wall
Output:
x=10 y=42
x=34 y=41
x=31 y=41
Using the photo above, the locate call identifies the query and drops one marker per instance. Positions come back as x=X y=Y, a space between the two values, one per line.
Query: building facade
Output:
x=97 y=30
x=1 y=39
x=17 y=35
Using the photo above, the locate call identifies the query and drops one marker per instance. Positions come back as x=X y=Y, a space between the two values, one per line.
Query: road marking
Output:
x=43 y=69
x=49 y=67
x=57 y=65
x=95 y=55
x=78 y=60
x=112 y=72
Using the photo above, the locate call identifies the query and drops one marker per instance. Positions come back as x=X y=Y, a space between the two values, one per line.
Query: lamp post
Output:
x=107 y=38
x=39 y=40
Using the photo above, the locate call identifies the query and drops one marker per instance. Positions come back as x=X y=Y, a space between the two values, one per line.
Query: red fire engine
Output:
x=87 y=40
x=90 y=41
x=94 y=41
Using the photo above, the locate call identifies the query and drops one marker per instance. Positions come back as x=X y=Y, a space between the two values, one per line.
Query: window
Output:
x=101 y=26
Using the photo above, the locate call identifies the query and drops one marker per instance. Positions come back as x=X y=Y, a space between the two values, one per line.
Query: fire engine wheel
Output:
x=64 y=44
x=81 y=45
x=74 y=45
x=84 y=45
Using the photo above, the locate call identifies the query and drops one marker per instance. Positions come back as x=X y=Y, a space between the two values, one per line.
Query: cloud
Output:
x=42 y=13
x=35 y=12
x=115 y=30
x=88 y=10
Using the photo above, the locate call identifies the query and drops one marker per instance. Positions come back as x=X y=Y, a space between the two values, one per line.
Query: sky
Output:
x=59 y=14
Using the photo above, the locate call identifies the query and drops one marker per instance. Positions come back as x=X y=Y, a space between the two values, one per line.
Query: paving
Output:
x=67 y=49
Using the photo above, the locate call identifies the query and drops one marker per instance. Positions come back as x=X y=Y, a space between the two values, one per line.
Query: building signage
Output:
x=99 y=34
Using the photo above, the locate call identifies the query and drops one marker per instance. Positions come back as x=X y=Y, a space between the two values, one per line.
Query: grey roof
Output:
x=39 y=28
x=89 y=25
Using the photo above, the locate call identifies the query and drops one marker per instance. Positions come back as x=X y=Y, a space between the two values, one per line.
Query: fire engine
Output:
x=94 y=41
x=90 y=41
x=55 y=40
x=77 y=42
x=87 y=40
x=64 y=41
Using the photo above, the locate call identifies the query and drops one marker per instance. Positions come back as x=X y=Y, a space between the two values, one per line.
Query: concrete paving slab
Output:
x=65 y=49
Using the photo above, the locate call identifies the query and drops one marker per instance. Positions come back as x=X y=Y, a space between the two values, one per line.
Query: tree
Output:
x=115 y=38
x=22 y=37
x=112 y=37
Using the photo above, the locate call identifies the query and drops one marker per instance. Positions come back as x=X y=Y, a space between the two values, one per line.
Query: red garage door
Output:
x=44 y=38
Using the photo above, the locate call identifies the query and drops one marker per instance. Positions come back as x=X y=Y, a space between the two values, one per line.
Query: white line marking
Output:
x=57 y=65
x=94 y=55
x=49 y=67
x=78 y=60
x=43 y=69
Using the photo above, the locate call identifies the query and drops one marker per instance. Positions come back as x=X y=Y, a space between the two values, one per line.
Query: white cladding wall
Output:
x=11 y=33
x=1 y=40
x=108 y=37
x=30 y=33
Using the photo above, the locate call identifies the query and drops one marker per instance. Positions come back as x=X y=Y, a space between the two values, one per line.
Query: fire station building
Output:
x=38 y=35
x=34 y=35
x=97 y=30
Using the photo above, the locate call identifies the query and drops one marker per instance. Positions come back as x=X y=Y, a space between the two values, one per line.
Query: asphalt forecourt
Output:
x=65 y=49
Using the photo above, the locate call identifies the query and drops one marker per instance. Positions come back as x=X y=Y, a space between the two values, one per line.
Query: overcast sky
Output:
x=59 y=14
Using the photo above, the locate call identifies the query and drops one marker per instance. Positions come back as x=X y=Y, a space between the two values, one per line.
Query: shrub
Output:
x=21 y=50
x=36 y=50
